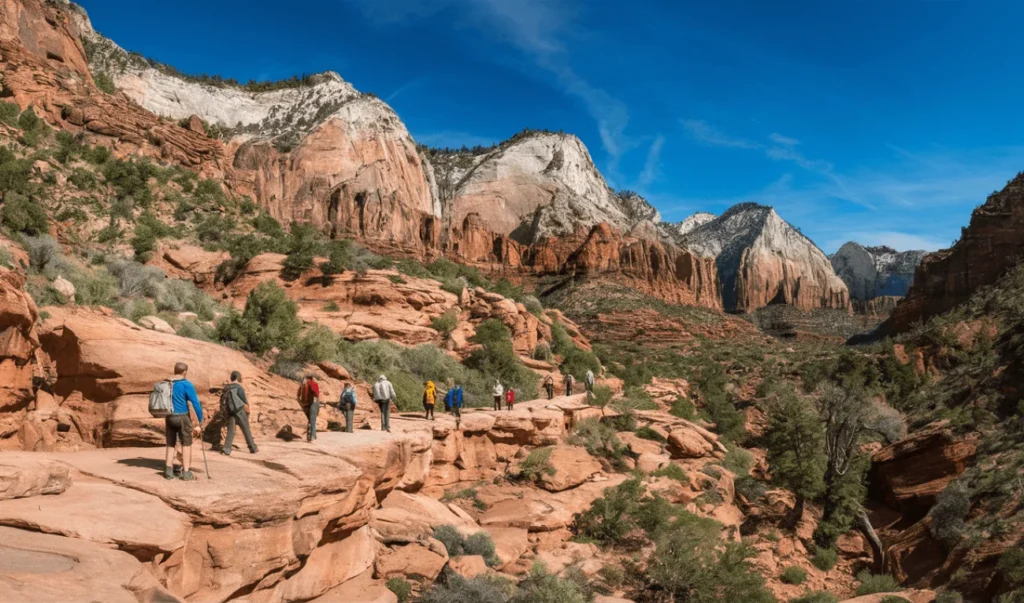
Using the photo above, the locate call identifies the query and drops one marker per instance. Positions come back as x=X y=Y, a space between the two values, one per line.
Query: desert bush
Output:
x=602 y=396
x=542 y=352
x=649 y=434
x=793 y=574
x=949 y=596
x=684 y=409
x=825 y=559
x=135 y=309
x=673 y=471
x=482 y=589
x=577 y=362
x=130 y=180
x=177 y=295
x=97 y=288
x=456 y=544
x=893 y=599
x=622 y=514
x=750 y=488
x=691 y=563
x=401 y=588
x=541 y=586
x=600 y=441
x=738 y=460
x=1011 y=567
x=535 y=466
x=269 y=320
x=9 y=113
x=135 y=279
x=533 y=305
x=20 y=214
x=496 y=358
x=445 y=323
x=45 y=255
x=6 y=259
x=876 y=583
x=949 y=513
x=194 y=330
x=104 y=82
x=317 y=343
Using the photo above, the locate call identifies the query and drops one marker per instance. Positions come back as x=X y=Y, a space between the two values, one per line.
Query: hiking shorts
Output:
x=178 y=428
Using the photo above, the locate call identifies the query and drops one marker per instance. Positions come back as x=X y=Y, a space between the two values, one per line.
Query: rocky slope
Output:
x=696 y=220
x=871 y=272
x=763 y=260
x=986 y=249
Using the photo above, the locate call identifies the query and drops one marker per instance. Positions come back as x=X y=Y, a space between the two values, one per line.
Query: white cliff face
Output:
x=762 y=259
x=696 y=220
x=872 y=272
x=539 y=185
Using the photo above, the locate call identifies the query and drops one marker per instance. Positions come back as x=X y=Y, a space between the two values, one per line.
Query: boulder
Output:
x=64 y=287
x=362 y=589
x=155 y=323
x=572 y=466
x=416 y=561
x=468 y=566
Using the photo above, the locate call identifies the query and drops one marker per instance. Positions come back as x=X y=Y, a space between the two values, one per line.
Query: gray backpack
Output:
x=230 y=401
x=161 y=401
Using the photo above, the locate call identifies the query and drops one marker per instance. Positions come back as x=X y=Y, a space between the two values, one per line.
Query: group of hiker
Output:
x=171 y=400
x=570 y=382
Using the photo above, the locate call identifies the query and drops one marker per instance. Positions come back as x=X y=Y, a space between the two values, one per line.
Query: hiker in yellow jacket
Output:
x=429 y=398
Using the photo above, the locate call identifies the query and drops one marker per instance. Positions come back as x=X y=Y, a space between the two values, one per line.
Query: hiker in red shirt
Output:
x=510 y=398
x=309 y=400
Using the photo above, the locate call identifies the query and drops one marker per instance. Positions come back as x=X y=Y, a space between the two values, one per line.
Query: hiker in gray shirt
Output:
x=384 y=395
x=236 y=406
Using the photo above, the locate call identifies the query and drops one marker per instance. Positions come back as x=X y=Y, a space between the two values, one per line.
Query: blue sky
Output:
x=882 y=121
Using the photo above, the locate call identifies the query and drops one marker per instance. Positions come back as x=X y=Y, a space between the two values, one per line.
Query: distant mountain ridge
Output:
x=871 y=272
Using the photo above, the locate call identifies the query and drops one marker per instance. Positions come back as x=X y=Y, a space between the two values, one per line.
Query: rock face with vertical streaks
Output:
x=764 y=260
x=872 y=272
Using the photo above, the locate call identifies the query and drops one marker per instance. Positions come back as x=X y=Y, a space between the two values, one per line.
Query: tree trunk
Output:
x=865 y=527
x=793 y=519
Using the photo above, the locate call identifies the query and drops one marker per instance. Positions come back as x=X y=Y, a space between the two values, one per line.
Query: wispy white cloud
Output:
x=452 y=139
x=705 y=133
x=537 y=29
x=783 y=140
x=406 y=87
x=652 y=167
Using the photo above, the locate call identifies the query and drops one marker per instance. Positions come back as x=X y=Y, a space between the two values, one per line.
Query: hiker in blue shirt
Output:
x=178 y=426
x=456 y=394
x=348 y=405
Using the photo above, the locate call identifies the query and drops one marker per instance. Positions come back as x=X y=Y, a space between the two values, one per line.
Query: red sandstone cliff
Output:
x=987 y=248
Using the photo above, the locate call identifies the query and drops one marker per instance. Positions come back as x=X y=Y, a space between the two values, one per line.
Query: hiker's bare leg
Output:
x=186 y=458
x=169 y=460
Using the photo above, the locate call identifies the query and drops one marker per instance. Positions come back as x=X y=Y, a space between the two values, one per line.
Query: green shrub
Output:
x=542 y=352
x=94 y=289
x=691 y=563
x=176 y=295
x=194 y=330
x=269 y=320
x=135 y=309
x=15 y=174
x=143 y=242
x=1011 y=567
x=445 y=323
x=750 y=488
x=496 y=358
x=673 y=471
x=649 y=434
x=135 y=279
x=577 y=362
x=481 y=589
x=481 y=544
x=816 y=596
x=622 y=513
x=331 y=306
x=9 y=113
x=949 y=513
x=20 y=214
x=6 y=259
x=130 y=180
x=602 y=396
x=738 y=460
x=793 y=574
x=893 y=599
x=876 y=583
x=684 y=409
x=297 y=263
x=45 y=255
x=600 y=441
x=401 y=588
x=825 y=559
x=949 y=596
x=104 y=82
x=535 y=466
x=540 y=586
x=316 y=344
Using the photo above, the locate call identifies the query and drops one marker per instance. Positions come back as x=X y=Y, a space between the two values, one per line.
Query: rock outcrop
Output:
x=695 y=221
x=872 y=272
x=763 y=260
x=987 y=248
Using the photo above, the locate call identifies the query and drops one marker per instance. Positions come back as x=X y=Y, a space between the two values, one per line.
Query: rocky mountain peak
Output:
x=762 y=259
x=878 y=271
x=696 y=220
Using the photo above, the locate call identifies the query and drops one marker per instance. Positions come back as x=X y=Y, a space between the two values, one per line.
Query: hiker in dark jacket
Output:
x=569 y=382
x=309 y=400
x=549 y=386
x=236 y=406
x=178 y=425
x=456 y=394
x=348 y=405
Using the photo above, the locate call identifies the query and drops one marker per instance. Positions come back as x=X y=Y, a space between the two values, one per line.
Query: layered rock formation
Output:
x=871 y=272
x=763 y=260
x=986 y=249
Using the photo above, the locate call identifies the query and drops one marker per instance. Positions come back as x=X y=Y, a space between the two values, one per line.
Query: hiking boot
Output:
x=226 y=452
x=253 y=450
x=169 y=474
x=187 y=476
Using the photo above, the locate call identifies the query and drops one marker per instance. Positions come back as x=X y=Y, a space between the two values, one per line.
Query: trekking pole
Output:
x=203 y=448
